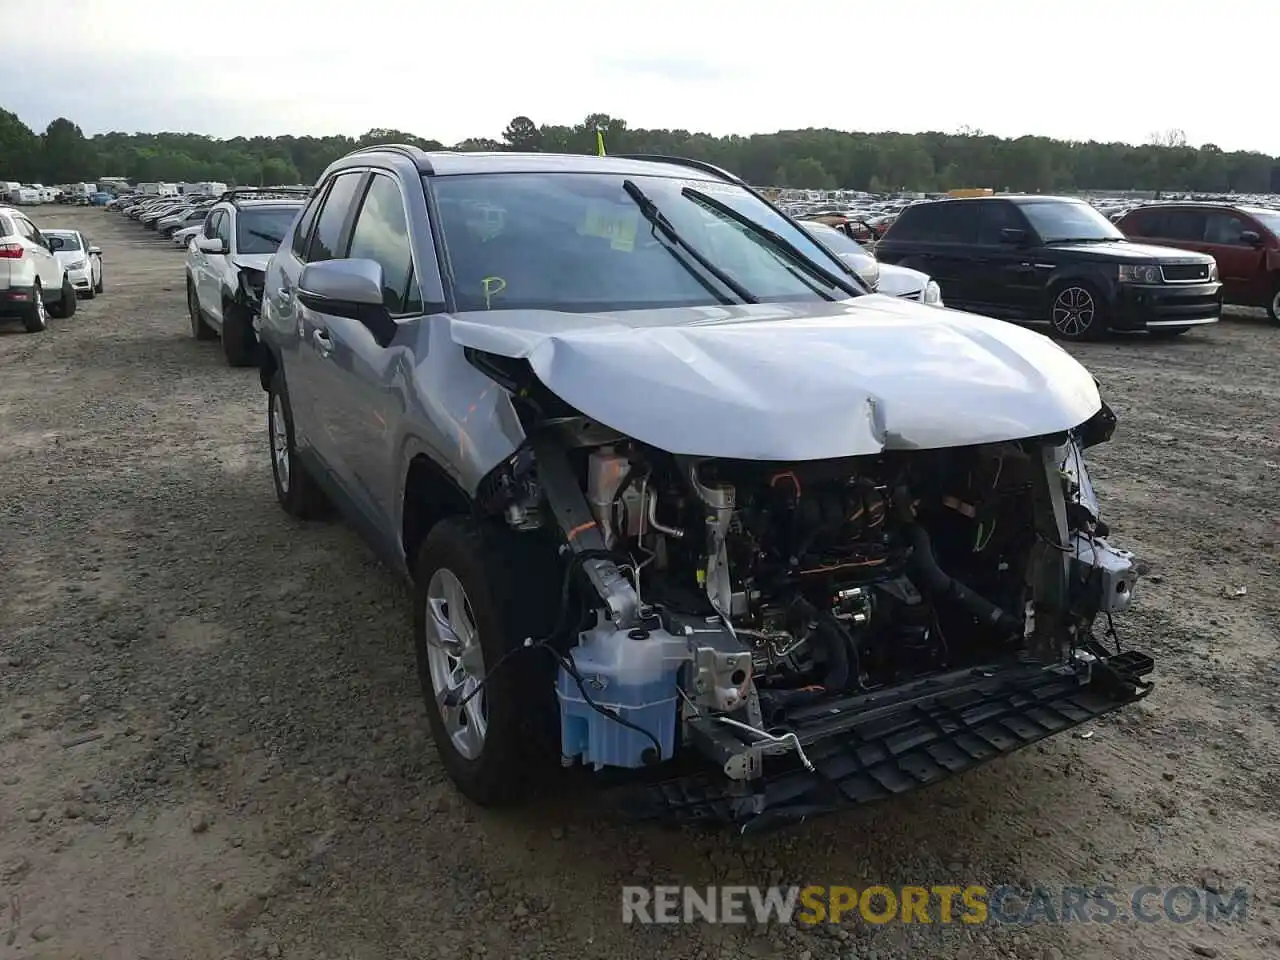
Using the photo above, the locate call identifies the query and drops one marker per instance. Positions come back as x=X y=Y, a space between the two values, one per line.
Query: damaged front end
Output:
x=795 y=638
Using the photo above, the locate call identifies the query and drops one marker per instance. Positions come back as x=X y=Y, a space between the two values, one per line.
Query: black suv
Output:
x=1056 y=260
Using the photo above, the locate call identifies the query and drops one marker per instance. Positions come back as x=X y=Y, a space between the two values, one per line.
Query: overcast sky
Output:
x=1075 y=69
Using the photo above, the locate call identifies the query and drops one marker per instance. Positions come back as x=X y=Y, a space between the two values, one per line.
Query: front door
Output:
x=1239 y=262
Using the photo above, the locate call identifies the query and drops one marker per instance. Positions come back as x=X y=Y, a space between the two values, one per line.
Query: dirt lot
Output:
x=212 y=742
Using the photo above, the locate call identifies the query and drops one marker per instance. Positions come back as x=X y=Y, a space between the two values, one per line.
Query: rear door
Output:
x=1239 y=263
x=358 y=399
x=47 y=267
x=206 y=283
x=948 y=251
x=311 y=380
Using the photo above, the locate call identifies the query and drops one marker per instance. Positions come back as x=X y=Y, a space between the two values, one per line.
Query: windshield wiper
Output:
x=786 y=247
x=274 y=241
x=658 y=220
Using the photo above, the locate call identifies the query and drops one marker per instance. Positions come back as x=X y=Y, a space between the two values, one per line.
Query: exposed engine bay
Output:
x=740 y=605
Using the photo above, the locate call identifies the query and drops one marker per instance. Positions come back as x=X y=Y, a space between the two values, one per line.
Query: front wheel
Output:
x=99 y=286
x=1076 y=311
x=239 y=342
x=1273 y=305
x=480 y=591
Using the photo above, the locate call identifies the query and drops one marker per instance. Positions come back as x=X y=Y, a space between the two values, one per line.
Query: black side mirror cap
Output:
x=1251 y=237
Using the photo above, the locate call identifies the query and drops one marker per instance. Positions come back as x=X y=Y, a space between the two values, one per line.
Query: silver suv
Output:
x=675 y=490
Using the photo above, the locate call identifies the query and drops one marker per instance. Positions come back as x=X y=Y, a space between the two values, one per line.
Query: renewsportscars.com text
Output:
x=941 y=903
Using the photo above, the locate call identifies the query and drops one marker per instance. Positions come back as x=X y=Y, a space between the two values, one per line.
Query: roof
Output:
x=273 y=202
x=446 y=163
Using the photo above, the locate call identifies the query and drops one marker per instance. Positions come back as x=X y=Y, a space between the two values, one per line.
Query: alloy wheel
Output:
x=456 y=663
x=1073 y=311
x=280 y=442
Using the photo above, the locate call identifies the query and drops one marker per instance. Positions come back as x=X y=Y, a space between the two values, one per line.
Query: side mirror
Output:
x=349 y=288
x=1013 y=236
x=210 y=245
x=95 y=251
x=1251 y=237
x=54 y=243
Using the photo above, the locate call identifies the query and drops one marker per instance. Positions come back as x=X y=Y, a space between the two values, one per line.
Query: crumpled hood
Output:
x=253 y=261
x=797 y=381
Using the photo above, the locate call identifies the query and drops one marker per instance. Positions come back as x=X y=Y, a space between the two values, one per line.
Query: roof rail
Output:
x=265 y=193
x=406 y=150
x=683 y=162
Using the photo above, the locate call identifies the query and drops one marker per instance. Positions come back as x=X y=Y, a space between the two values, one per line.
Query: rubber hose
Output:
x=936 y=582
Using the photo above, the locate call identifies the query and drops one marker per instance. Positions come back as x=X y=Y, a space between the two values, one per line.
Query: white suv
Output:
x=33 y=284
x=227 y=262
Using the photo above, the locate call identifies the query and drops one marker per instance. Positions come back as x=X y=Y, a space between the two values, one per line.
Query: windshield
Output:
x=1057 y=220
x=578 y=242
x=69 y=240
x=261 y=230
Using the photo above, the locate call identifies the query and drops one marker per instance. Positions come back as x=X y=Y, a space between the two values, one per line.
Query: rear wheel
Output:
x=66 y=305
x=296 y=490
x=199 y=329
x=1273 y=305
x=36 y=318
x=1076 y=311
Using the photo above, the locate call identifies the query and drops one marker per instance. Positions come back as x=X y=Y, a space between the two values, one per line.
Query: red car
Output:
x=1245 y=240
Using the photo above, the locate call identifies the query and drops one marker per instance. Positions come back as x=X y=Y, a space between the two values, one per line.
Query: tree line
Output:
x=813 y=158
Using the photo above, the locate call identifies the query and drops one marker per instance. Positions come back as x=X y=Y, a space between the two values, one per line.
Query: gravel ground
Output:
x=212 y=742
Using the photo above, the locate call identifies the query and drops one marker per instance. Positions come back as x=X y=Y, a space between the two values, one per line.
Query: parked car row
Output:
x=44 y=272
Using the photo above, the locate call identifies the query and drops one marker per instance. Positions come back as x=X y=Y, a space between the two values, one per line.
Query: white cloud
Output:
x=1086 y=69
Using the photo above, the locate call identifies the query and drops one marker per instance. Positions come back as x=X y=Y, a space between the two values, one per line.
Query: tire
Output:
x=67 y=303
x=296 y=490
x=1273 y=305
x=91 y=292
x=199 y=329
x=36 y=319
x=1077 y=311
x=100 y=286
x=239 y=342
x=508 y=587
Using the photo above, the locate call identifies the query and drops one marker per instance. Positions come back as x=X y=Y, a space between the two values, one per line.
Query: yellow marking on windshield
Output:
x=492 y=287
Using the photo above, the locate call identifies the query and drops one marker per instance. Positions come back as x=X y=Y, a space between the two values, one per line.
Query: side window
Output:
x=211 y=224
x=1224 y=228
x=1186 y=225
x=910 y=224
x=224 y=230
x=6 y=228
x=953 y=221
x=381 y=234
x=996 y=215
x=302 y=232
x=333 y=216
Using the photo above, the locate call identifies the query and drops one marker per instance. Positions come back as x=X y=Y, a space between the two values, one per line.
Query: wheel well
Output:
x=430 y=495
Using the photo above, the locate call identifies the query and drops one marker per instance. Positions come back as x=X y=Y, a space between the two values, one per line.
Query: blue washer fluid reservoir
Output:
x=633 y=673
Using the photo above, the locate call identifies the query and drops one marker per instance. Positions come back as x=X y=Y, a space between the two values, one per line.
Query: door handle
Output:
x=322 y=342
